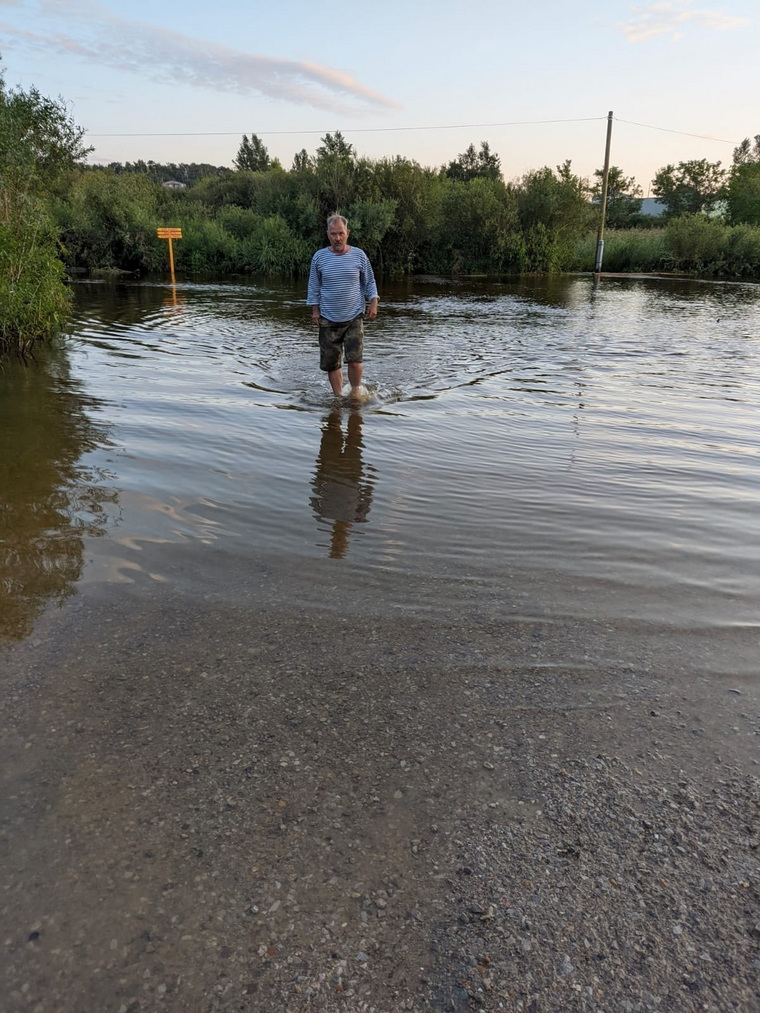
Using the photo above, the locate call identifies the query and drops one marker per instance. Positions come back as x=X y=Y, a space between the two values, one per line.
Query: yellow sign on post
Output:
x=170 y=233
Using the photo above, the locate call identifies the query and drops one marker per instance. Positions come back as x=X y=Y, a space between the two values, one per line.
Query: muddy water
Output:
x=278 y=671
x=528 y=449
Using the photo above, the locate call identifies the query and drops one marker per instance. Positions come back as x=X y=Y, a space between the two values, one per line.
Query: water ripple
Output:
x=607 y=438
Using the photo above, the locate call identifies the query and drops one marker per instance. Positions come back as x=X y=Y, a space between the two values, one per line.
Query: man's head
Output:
x=337 y=233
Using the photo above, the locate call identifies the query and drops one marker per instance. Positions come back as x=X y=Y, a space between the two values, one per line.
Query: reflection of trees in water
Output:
x=119 y=303
x=147 y=305
x=49 y=501
x=342 y=491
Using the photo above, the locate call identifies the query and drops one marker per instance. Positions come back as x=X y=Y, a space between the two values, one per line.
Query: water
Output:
x=527 y=449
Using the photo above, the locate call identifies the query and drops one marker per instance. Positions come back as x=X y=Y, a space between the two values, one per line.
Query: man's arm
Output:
x=369 y=288
x=313 y=291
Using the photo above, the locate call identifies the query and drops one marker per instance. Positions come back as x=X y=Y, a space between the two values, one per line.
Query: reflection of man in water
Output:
x=340 y=495
x=340 y=281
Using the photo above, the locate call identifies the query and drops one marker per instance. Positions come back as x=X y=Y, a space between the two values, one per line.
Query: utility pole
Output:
x=605 y=181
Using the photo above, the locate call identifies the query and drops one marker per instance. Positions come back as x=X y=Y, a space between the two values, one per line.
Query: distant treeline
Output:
x=58 y=215
x=270 y=220
x=460 y=218
x=182 y=172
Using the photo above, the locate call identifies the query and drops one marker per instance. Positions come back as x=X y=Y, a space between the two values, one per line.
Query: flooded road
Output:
x=444 y=701
x=533 y=447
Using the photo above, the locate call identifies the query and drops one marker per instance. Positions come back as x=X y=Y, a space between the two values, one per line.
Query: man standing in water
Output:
x=341 y=282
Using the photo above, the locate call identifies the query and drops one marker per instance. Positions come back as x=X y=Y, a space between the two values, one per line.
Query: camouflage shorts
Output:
x=337 y=338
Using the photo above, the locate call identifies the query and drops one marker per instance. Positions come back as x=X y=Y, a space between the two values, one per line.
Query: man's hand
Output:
x=315 y=315
x=372 y=310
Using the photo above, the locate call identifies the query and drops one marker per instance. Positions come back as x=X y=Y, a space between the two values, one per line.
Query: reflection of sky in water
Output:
x=603 y=440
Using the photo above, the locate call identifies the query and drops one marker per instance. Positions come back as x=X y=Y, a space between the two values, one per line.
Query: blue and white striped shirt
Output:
x=340 y=283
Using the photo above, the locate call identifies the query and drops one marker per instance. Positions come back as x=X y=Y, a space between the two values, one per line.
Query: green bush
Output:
x=206 y=248
x=690 y=244
x=633 y=250
x=707 y=246
x=239 y=222
x=742 y=251
x=34 y=300
x=108 y=222
x=695 y=243
x=39 y=145
x=274 y=250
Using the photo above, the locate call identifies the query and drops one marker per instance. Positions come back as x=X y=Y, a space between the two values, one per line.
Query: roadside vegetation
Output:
x=39 y=147
x=462 y=218
x=60 y=217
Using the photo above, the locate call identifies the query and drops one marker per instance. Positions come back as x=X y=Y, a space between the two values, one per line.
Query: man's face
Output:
x=338 y=236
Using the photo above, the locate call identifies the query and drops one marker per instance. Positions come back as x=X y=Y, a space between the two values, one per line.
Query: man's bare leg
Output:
x=335 y=376
x=355 y=373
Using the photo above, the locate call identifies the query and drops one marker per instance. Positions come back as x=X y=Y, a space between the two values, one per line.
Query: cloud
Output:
x=670 y=17
x=97 y=35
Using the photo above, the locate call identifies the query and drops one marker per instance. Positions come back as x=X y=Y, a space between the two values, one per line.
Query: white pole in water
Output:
x=605 y=182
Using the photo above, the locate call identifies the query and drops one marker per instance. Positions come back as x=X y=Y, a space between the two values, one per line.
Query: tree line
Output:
x=462 y=217
x=263 y=219
x=59 y=216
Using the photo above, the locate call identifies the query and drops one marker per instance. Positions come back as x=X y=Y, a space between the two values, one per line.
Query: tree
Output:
x=252 y=155
x=746 y=152
x=185 y=172
x=301 y=161
x=623 y=197
x=335 y=146
x=743 y=193
x=109 y=221
x=369 y=223
x=418 y=194
x=472 y=164
x=39 y=146
x=690 y=187
x=479 y=225
x=554 y=213
x=335 y=166
x=39 y=141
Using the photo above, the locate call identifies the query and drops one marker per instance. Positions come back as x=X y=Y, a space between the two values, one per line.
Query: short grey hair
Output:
x=337 y=218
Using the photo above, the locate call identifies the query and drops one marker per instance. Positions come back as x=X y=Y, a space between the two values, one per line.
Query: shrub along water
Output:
x=407 y=218
x=689 y=244
x=631 y=250
x=34 y=300
x=39 y=144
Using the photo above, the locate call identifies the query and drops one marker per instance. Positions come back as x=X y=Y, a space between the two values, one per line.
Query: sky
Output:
x=177 y=82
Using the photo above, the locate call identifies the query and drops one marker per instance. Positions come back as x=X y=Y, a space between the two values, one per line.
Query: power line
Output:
x=684 y=133
x=442 y=126
x=353 y=130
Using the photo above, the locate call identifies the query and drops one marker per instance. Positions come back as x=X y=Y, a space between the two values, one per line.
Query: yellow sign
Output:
x=170 y=233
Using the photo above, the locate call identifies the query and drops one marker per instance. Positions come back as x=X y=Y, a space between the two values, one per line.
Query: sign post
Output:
x=170 y=233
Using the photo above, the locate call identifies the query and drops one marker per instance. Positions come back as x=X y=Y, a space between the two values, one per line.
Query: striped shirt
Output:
x=339 y=283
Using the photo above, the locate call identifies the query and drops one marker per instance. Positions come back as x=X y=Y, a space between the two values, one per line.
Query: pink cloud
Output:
x=97 y=35
x=670 y=17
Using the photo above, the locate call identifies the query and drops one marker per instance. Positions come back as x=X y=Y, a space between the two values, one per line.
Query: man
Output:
x=341 y=283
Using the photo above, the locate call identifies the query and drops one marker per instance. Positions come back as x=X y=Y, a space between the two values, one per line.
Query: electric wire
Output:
x=441 y=126
x=352 y=130
x=668 y=130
